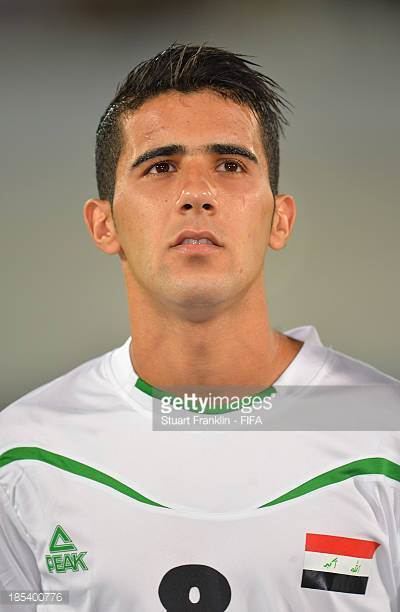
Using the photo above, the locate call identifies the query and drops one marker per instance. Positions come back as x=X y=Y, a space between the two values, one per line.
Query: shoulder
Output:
x=49 y=406
x=373 y=404
x=344 y=369
x=320 y=364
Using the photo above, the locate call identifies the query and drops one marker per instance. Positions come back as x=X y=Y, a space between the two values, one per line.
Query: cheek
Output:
x=254 y=228
x=255 y=215
x=140 y=227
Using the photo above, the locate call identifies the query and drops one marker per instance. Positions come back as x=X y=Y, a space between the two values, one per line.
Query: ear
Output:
x=282 y=221
x=98 y=218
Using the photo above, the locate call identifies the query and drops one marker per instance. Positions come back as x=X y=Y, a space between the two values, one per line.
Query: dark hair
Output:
x=188 y=68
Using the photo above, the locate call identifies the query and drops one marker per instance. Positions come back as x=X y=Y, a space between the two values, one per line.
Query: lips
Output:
x=190 y=235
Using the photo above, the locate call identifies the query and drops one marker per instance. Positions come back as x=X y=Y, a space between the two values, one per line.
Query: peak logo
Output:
x=64 y=555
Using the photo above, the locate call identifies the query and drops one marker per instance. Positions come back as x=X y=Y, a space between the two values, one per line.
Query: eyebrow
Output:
x=231 y=149
x=175 y=149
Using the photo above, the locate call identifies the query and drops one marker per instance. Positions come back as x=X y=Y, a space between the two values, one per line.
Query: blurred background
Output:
x=63 y=301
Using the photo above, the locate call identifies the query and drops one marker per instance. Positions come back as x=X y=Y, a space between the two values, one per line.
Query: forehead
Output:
x=191 y=119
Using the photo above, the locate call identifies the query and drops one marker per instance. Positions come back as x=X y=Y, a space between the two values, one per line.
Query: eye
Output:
x=231 y=165
x=161 y=167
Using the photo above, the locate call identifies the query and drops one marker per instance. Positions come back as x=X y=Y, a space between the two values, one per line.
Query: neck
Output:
x=234 y=347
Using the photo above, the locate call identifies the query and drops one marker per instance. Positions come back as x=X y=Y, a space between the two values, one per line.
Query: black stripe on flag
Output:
x=329 y=581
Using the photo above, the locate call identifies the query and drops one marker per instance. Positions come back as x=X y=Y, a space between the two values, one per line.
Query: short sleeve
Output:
x=18 y=567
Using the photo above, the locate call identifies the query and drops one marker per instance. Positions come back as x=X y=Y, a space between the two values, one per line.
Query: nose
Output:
x=197 y=197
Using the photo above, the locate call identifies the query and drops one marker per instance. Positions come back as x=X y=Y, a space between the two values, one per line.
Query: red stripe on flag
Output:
x=336 y=545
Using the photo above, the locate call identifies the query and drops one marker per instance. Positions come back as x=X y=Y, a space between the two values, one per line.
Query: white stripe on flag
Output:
x=340 y=564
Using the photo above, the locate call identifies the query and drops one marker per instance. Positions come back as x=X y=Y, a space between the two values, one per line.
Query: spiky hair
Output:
x=190 y=68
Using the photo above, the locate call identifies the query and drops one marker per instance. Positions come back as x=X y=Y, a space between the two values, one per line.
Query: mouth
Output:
x=196 y=241
x=196 y=248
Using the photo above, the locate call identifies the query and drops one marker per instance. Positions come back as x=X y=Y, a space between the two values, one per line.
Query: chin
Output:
x=199 y=303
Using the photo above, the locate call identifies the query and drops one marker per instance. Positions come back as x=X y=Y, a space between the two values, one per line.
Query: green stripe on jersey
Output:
x=75 y=467
x=361 y=467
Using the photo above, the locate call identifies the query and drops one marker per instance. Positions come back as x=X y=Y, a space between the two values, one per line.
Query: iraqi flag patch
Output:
x=333 y=563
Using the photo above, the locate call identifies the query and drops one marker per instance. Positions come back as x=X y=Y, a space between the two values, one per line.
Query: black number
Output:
x=174 y=589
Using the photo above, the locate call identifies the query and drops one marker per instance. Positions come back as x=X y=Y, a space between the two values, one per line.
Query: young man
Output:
x=94 y=500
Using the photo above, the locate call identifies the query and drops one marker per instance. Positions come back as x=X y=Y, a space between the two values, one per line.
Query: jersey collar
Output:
x=303 y=370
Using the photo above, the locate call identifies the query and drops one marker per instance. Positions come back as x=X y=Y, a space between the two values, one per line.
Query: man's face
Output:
x=199 y=185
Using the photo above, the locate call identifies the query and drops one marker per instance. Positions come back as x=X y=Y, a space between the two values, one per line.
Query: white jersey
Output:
x=96 y=503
